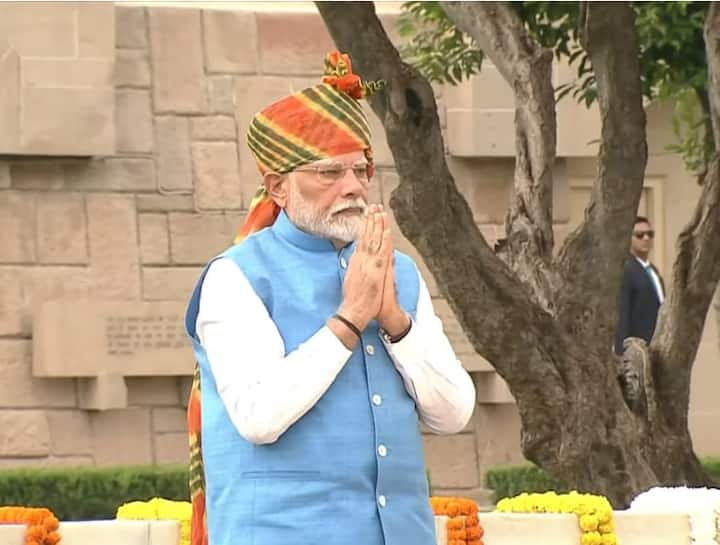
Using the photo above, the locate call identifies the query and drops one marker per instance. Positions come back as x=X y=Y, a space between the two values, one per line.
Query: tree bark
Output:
x=558 y=363
x=708 y=129
x=593 y=255
x=696 y=271
x=527 y=67
x=712 y=51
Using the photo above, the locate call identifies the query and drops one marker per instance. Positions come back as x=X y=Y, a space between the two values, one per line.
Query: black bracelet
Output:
x=351 y=326
x=397 y=338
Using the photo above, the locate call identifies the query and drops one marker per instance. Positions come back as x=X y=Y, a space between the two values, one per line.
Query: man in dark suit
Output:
x=642 y=290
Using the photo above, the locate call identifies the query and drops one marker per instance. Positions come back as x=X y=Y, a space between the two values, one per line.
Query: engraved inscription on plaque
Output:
x=129 y=335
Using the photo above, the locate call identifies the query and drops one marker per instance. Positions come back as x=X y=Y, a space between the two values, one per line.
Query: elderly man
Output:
x=318 y=349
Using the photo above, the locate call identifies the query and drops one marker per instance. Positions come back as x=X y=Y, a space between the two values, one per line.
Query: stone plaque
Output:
x=122 y=338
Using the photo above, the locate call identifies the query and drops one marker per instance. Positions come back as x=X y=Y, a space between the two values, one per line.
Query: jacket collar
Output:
x=287 y=230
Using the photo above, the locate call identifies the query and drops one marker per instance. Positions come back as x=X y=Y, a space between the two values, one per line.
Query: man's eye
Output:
x=332 y=172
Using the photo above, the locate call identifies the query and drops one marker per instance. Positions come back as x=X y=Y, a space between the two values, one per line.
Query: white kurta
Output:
x=266 y=390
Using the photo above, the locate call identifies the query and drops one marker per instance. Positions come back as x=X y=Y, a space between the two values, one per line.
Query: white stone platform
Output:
x=550 y=529
x=104 y=532
x=500 y=529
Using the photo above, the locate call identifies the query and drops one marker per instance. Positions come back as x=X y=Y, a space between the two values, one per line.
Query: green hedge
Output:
x=509 y=481
x=90 y=493
x=95 y=494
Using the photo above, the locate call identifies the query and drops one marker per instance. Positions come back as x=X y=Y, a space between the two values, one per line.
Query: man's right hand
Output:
x=365 y=278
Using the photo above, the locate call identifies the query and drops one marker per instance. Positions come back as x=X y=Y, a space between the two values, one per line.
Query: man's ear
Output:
x=277 y=187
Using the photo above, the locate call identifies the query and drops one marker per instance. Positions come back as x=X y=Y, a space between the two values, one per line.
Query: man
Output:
x=318 y=348
x=642 y=290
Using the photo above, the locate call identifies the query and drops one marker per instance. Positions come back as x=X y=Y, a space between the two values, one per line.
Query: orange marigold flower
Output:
x=474 y=533
x=452 y=510
x=41 y=523
x=463 y=521
x=35 y=532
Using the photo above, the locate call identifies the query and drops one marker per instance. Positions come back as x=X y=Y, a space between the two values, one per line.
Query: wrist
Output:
x=343 y=333
x=355 y=317
x=349 y=324
x=396 y=324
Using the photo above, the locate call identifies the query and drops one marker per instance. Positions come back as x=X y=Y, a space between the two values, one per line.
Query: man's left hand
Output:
x=392 y=318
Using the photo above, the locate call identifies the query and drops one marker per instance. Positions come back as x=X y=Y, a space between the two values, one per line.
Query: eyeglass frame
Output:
x=341 y=170
x=640 y=235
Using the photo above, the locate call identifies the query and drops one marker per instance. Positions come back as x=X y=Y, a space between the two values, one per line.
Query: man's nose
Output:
x=351 y=185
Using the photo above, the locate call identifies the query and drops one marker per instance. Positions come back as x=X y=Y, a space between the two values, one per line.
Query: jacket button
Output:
x=382 y=450
x=370 y=349
x=382 y=501
x=377 y=400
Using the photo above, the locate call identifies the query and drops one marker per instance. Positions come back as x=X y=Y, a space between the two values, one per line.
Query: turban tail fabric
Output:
x=313 y=124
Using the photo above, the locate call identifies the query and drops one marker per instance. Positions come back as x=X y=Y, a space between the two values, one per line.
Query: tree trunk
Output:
x=528 y=69
x=547 y=325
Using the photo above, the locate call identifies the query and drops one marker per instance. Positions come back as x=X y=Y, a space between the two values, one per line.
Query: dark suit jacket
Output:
x=639 y=304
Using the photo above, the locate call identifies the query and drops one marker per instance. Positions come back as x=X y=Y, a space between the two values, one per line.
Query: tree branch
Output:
x=591 y=259
x=695 y=277
x=696 y=271
x=712 y=51
x=527 y=67
x=494 y=309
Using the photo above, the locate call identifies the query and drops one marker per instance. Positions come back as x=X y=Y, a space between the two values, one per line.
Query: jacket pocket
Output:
x=285 y=474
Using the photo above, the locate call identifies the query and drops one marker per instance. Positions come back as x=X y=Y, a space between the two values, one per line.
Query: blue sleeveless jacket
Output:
x=351 y=470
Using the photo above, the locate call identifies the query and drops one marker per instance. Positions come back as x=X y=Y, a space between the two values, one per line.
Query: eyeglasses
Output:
x=333 y=172
x=644 y=234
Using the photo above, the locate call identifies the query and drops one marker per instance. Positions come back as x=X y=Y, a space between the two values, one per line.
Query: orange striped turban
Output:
x=313 y=124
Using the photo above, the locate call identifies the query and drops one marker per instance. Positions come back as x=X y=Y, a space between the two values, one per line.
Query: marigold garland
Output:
x=463 y=520
x=594 y=513
x=42 y=524
x=159 y=509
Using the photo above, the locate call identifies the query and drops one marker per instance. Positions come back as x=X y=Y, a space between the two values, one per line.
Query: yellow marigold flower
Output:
x=605 y=516
x=160 y=509
x=608 y=539
x=594 y=513
x=591 y=538
x=588 y=523
x=136 y=510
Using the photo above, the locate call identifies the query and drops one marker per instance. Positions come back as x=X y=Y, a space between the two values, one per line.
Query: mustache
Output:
x=358 y=203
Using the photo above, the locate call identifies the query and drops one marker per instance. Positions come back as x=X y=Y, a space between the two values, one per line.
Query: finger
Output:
x=386 y=240
x=386 y=244
x=376 y=236
x=364 y=240
x=382 y=256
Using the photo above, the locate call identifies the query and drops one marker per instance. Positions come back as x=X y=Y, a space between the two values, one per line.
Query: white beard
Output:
x=327 y=225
